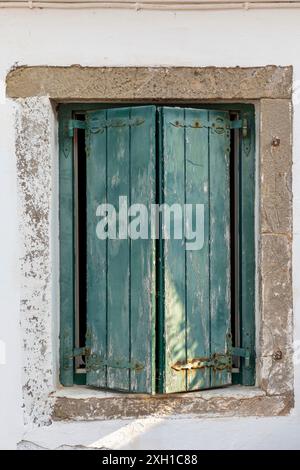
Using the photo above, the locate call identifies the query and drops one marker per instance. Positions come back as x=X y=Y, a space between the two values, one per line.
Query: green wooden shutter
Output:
x=193 y=328
x=121 y=158
x=195 y=288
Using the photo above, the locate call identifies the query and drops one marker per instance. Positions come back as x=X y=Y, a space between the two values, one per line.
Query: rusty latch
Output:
x=217 y=362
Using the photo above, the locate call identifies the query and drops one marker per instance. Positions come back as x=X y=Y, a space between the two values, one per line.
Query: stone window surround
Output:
x=36 y=90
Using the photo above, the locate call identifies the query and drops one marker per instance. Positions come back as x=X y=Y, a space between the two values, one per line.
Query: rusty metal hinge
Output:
x=81 y=352
x=216 y=361
x=96 y=126
x=219 y=125
x=242 y=352
x=70 y=354
x=240 y=124
x=75 y=124
x=95 y=362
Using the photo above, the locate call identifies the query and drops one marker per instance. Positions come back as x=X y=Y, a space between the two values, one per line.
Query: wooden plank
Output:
x=66 y=211
x=96 y=167
x=219 y=149
x=173 y=154
x=247 y=246
x=160 y=314
x=118 y=269
x=197 y=261
x=142 y=251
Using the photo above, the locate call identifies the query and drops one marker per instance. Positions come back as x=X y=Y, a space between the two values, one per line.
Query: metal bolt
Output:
x=275 y=142
x=277 y=355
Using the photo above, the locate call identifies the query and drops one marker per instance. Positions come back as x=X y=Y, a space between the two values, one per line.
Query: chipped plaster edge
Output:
x=38 y=227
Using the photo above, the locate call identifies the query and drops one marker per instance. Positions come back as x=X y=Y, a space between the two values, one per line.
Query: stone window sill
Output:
x=84 y=403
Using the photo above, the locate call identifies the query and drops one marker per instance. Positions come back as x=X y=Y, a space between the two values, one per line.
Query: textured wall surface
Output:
x=150 y=83
x=115 y=38
x=34 y=167
x=275 y=346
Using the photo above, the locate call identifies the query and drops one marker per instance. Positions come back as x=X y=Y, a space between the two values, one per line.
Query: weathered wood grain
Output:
x=96 y=285
x=219 y=196
x=197 y=261
x=121 y=276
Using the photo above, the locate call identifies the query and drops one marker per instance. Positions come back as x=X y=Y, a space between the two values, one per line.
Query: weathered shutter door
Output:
x=196 y=284
x=121 y=153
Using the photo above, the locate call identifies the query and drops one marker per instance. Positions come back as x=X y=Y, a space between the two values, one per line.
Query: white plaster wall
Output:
x=103 y=37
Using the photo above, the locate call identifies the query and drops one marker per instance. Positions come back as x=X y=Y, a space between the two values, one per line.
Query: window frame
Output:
x=247 y=264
